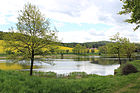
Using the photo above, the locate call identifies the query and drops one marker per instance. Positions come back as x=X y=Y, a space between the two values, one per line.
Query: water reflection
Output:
x=67 y=66
x=100 y=60
x=90 y=65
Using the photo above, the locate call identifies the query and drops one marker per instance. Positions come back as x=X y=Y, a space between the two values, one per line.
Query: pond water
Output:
x=90 y=65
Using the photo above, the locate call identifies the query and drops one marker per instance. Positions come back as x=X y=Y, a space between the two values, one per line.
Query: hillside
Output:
x=87 y=44
x=1 y=47
x=2 y=50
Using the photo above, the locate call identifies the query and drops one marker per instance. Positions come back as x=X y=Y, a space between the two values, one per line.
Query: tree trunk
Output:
x=119 y=57
x=120 y=60
x=62 y=56
x=32 y=62
x=129 y=57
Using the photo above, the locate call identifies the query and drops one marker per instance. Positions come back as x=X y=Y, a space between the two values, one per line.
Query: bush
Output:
x=45 y=74
x=77 y=74
x=129 y=68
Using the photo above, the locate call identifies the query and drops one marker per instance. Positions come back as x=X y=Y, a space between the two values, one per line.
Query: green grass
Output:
x=21 y=82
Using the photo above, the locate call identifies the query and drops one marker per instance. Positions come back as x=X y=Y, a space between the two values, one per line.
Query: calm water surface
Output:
x=90 y=65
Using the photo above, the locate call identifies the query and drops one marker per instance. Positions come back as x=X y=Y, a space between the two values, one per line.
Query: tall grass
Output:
x=21 y=82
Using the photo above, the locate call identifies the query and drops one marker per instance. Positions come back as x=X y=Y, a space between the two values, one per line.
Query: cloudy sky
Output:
x=76 y=20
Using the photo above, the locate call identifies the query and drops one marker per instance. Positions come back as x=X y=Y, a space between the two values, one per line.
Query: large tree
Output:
x=132 y=7
x=32 y=36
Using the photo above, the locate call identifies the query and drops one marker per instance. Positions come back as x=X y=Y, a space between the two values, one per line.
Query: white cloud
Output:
x=2 y=19
x=93 y=35
x=82 y=36
x=76 y=11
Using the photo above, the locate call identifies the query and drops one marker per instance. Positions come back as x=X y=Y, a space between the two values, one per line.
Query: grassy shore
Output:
x=21 y=82
x=4 y=56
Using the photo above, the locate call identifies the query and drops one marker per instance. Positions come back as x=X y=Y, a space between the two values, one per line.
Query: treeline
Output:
x=2 y=34
x=87 y=44
x=120 y=47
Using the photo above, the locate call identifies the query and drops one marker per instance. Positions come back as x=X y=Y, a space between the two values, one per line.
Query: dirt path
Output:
x=124 y=88
x=128 y=88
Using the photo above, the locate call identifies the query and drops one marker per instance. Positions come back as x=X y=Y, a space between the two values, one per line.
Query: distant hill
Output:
x=2 y=34
x=87 y=44
x=71 y=45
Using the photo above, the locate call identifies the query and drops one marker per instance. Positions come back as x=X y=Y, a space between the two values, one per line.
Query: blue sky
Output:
x=66 y=26
x=76 y=20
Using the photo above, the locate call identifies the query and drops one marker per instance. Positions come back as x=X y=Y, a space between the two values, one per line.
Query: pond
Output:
x=65 y=66
x=88 y=64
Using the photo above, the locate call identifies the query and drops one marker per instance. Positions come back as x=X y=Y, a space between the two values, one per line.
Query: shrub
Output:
x=129 y=68
x=45 y=74
x=77 y=74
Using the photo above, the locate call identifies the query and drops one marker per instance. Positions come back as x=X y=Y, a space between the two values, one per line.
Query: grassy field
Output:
x=4 y=66
x=21 y=82
x=62 y=48
x=1 y=47
x=2 y=50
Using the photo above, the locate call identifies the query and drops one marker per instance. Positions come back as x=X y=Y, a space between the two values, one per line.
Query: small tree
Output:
x=77 y=49
x=67 y=51
x=33 y=33
x=103 y=49
x=129 y=48
x=117 y=46
x=120 y=46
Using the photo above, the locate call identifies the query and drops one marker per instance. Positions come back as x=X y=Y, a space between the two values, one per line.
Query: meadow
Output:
x=21 y=82
x=1 y=47
x=3 y=50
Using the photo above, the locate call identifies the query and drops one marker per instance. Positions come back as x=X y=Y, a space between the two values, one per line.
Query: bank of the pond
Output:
x=21 y=82
x=13 y=66
x=4 y=56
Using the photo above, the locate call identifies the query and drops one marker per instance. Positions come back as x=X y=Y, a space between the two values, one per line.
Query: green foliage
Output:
x=33 y=33
x=77 y=75
x=2 y=34
x=132 y=7
x=129 y=48
x=87 y=44
x=78 y=49
x=20 y=82
x=120 y=46
x=45 y=74
x=135 y=63
x=103 y=49
x=128 y=68
x=9 y=52
x=117 y=46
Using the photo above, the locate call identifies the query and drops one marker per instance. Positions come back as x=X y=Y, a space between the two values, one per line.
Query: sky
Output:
x=76 y=20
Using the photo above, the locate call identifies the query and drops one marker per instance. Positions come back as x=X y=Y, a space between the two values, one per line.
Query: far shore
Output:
x=49 y=56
